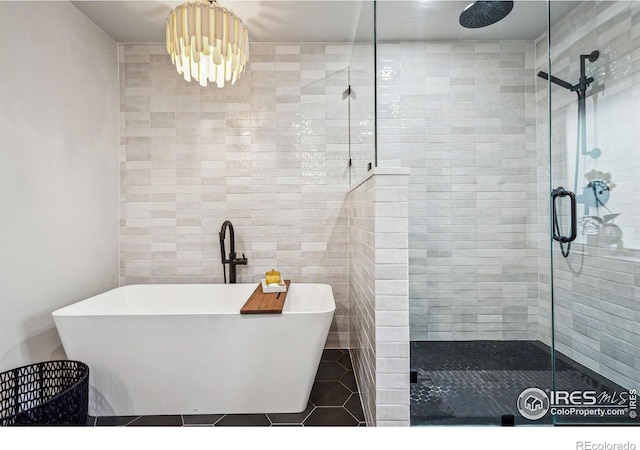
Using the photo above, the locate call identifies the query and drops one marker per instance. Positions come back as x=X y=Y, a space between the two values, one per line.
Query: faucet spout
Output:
x=233 y=260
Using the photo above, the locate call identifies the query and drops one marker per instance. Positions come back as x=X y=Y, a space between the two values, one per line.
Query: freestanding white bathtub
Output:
x=186 y=349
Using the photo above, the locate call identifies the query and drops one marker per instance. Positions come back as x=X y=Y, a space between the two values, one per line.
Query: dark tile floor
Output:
x=477 y=382
x=334 y=401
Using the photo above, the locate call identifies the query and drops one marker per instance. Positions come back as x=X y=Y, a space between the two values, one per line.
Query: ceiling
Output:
x=329 y=21
x=438 y=20
x=266 y=20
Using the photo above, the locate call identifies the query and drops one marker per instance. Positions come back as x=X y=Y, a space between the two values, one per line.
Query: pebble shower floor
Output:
x=477 y=382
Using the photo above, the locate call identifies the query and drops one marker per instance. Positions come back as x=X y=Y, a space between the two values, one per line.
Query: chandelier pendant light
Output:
x=207 y=42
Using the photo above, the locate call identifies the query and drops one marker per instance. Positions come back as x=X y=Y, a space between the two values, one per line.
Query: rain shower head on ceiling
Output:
x=481 y=14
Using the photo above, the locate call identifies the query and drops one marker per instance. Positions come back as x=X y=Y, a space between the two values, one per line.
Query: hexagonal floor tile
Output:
x=354 y=406
x=290 y=418
x=244 y=420
x=330 y=371
x=349 y=380
x=330 y=416
x=201 y=419
x=329 y=393
x=157 y=421
x=345 y=360
x=332 y=354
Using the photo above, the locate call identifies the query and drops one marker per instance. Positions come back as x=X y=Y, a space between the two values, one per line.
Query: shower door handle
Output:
x=562 y=192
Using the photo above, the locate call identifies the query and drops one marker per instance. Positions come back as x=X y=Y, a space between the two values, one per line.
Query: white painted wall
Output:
x=59 y=206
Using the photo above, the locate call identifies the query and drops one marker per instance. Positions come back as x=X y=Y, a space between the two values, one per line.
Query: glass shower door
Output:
x=457 y=106
x=593 y=81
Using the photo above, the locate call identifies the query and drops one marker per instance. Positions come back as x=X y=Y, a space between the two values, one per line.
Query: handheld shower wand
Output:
x=581 y=147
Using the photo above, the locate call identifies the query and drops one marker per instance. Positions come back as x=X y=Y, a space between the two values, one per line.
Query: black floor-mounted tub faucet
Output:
x=232 y=259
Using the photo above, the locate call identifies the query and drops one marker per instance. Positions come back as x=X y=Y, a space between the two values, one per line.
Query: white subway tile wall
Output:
x=597 y=288
x=469 y=118
x=378 y=299
x=461 y=115
x=362 y=301
x=269 y=153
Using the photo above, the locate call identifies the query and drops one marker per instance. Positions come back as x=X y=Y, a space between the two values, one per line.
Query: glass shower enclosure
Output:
x=519 y=122
x=594 y=280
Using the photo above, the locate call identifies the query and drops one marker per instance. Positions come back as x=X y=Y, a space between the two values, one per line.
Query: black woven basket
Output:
x=46 y=393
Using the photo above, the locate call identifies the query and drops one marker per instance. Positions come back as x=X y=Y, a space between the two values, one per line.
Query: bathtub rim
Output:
x=82 y=305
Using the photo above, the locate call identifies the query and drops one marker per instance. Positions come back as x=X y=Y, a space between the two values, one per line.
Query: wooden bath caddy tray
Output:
x=260 y=303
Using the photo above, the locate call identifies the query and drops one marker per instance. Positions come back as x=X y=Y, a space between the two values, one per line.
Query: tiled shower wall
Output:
x=362 y=294
x=596 y=289
x=379 y=313
x=269 y=153
x=461 y=115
